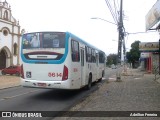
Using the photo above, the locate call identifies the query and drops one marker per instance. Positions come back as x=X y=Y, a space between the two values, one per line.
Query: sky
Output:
x=75 y=16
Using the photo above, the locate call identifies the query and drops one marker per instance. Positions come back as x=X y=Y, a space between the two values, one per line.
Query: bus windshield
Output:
x=43 y=45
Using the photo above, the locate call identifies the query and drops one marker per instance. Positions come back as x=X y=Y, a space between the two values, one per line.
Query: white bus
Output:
x=59 y=60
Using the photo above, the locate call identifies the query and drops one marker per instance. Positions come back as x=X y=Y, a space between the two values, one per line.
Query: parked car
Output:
x=113 y=66
x=12 y=70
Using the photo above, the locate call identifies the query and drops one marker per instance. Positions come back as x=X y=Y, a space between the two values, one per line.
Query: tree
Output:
x=111 y=59
x=134 y=54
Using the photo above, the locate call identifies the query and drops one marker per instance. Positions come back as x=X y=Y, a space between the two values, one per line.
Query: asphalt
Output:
x=136 y=93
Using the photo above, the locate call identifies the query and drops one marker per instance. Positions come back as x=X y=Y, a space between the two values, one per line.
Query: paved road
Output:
x=32 y=99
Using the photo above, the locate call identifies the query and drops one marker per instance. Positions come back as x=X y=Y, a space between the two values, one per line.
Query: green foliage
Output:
x=111 y=59
x=134 y=54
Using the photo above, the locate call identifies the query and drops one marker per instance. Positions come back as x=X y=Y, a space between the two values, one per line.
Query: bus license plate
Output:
x=42 y=84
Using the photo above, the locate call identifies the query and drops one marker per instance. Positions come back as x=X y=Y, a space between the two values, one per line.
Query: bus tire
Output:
x=99 y=80
x=89 y=85
x=103 y=73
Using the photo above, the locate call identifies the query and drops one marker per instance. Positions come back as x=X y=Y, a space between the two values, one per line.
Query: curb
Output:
x=9 y=87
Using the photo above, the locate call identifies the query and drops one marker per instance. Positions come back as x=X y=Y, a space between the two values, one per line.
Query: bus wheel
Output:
x=100 y=79
x=89 y=83
x=103 y=73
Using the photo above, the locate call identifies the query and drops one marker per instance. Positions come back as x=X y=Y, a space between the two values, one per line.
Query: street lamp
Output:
x=103 y=20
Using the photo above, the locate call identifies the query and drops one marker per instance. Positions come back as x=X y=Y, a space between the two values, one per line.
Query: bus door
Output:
x=82 y=67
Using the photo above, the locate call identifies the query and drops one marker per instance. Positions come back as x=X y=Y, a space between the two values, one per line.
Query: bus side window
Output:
x=75 y=51
x=101 y=57
x=93 y=56
x=88 y=54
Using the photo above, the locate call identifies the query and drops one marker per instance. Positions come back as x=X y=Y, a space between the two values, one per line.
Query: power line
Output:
x=111 y=10
x=118 y=4
x=116 y=13
x=127 y=33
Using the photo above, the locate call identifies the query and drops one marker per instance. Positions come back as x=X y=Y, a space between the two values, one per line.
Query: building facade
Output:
x=9 y=37
x=149 y=56
x=153 y=23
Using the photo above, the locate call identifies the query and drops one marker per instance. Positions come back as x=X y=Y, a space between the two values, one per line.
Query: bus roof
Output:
x=83 y=41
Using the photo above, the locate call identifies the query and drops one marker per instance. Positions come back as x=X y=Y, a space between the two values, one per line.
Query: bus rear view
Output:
x=60 y=60
x=43 y=55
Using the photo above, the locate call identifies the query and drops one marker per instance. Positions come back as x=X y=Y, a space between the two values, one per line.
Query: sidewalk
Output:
x=7 y=81
x=136 y=92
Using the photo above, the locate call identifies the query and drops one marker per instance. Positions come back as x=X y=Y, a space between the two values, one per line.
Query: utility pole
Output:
x=120 y=39
x=120 y=33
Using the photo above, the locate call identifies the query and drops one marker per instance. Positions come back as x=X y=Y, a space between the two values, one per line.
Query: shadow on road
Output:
x=63 y=95
x=59 y=95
